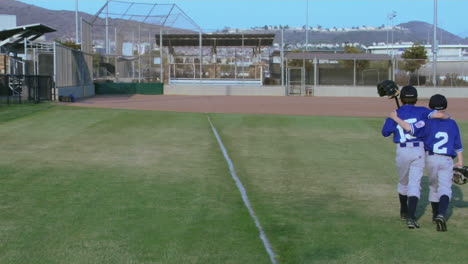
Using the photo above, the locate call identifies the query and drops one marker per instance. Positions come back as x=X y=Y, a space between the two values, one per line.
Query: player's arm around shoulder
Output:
x=394 y=116
x=434 y=114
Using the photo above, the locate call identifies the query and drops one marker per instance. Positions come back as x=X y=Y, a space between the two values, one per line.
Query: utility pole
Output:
x=390 y=17
x=76 y=23
x=107 y=29
x=282 y=57
x=435 y=48
x=307 y=25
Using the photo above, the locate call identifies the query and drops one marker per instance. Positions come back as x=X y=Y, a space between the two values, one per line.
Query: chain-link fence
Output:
x=191 y=71
x=72 y=67
x=341 y=72
x=124 y=39
x=25 y=88
x=128 y=41
x=449 y=73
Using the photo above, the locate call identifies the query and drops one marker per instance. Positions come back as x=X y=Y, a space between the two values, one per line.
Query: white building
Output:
x=446 y=52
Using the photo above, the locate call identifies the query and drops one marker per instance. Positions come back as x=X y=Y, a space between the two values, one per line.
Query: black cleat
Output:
x=412 y=224
x=403 y=216
x=441 y=223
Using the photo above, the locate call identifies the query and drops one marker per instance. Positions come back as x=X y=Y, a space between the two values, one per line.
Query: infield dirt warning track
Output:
x=278 y=105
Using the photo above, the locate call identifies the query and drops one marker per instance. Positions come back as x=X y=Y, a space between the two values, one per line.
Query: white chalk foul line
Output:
x=244 y=195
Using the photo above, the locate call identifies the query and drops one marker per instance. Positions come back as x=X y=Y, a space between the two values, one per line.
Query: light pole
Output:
x=435 y=48
x=390 y=17
x=307 y=25
x=76 y=22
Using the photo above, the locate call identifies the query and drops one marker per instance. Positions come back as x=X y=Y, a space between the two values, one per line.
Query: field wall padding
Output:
x=129 y=88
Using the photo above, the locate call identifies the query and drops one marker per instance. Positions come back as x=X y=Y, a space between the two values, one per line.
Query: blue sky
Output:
x=216 y=14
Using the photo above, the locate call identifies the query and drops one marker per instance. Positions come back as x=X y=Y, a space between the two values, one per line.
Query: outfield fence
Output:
x=129 y=88
x=306 y=72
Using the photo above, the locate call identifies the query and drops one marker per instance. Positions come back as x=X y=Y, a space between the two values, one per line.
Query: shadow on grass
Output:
x=424 y=206
x=15 y=111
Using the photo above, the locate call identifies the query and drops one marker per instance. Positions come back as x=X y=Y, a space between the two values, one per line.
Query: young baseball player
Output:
x=442 y=143
x=410 y=154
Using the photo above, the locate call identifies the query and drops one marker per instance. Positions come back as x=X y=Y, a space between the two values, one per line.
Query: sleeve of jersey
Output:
x=388 y=127
x=417 y=129
x=430 y=113
x=457 y=144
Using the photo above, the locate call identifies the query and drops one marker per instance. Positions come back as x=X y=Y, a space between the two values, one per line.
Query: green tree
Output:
x=360 y=64
x=299 y=63
x=415 y=57
x=69 y=43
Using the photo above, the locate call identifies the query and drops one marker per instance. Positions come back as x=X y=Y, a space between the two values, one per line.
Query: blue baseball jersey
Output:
x=410 y=114
x=440 y=136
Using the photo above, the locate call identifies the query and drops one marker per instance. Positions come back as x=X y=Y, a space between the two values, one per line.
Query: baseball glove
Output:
x=460 y=175
x=388 y=88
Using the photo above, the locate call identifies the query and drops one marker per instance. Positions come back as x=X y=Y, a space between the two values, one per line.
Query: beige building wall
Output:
x=3 y=69
x=239 y=90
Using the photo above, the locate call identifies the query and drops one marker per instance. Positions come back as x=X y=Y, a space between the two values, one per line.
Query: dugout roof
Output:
x=217 y=40
x=13 y=36
x=35 y=30
x=333 y=56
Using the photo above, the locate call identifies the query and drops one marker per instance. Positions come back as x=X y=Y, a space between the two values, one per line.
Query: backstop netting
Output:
x=123 y=36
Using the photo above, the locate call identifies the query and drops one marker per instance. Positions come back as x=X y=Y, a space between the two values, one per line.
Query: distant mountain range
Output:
x=414 y=31
x=463 y=34
x=64 y=23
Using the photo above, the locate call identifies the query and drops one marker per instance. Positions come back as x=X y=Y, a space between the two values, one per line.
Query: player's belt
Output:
x=411 y=144
x=430 y=153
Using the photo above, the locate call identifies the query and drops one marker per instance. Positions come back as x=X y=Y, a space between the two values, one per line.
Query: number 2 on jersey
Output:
x=438 y=146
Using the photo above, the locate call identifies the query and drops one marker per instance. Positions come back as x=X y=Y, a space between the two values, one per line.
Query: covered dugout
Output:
x=305 y=71
x=215 y=58
x=25 y=71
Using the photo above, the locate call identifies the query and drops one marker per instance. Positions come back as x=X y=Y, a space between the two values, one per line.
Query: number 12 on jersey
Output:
x=405 y=136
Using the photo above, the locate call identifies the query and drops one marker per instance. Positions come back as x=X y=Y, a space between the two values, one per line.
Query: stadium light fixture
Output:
x=391 y=16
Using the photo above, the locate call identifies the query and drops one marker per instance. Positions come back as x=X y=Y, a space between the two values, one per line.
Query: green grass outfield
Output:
x=82 y=185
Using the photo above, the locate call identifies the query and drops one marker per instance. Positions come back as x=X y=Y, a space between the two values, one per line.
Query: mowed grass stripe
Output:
x=119 y=186
x=325 y=190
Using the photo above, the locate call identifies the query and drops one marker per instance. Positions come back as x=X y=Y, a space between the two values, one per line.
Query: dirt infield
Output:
x=284 y=105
